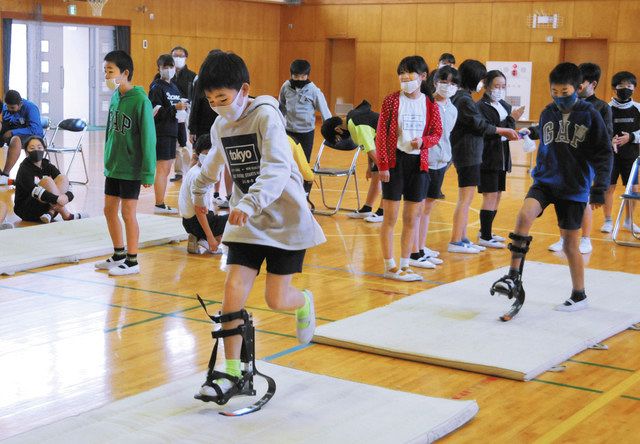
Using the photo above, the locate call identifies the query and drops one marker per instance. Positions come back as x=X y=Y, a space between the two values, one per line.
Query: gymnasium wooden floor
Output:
x=73 y=339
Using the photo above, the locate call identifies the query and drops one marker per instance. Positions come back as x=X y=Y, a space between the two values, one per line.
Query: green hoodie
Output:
x=130 y=145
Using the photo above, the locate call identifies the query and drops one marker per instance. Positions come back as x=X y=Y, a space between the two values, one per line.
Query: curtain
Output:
x=6 y=52
x=123 y=38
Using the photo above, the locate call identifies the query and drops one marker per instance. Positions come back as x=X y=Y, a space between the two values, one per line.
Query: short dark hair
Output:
x=590 y=72
x=300 y=67
x=623 y=76
x=186 y=53
x=25 y=144
x=492 y=75
x=12 y=97
x=223 y=70
x=122 y=60
x=203 y=143
x=566 y=73
x=414 y=63
x=328 y=129
x=447 y=73
x=446 y=57
x=165 y=59
x=471 y=72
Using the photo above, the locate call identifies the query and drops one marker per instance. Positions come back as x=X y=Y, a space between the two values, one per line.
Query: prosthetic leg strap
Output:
x=226 y=317
x=520 y=249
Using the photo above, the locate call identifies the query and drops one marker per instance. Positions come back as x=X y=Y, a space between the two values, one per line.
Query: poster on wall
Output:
x=518 y=76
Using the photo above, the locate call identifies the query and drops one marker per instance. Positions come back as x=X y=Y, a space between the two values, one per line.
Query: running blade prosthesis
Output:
x=243 y=385
x=511 y=285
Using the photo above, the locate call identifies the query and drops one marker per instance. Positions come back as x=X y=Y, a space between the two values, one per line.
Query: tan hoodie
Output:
x=267 y=182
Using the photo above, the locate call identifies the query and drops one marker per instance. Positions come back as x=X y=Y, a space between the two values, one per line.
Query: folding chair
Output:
x=45 y=122
x=74 y=126
x=320 y=171
x=631 y=194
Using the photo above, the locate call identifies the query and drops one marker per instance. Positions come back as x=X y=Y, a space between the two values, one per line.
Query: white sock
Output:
x=404 y=262
x=389 y=264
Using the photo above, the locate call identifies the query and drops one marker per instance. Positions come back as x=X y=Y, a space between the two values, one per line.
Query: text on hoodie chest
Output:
x=564 y=131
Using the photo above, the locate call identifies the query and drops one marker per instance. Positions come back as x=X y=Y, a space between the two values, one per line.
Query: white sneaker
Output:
x=6 y=225
x=490 y=243
x=45 y=218
x=570 y=305
x=423 y=262
x=585 y=245
x=472 y=245
x=108 y=264
x=607 y=226
x=4 y=180
x=221 y=202
x=123 y=269
x=358 y=215
x=461 y=248
x=555 y=247
x=224 y=384
x=80 y=215
x=430 y=253
x=374 y=218
x=494 y=237
x=405 y=274
x=305 y=327
x=164 y=210
x=627 y=226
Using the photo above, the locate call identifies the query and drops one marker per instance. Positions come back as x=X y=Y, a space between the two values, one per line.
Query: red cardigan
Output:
x=387 y=133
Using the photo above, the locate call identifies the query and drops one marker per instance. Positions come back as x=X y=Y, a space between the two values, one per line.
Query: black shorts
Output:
x=492 y=181
x=216 y=223
x=436 y=177
x=568 y=212
x=32 y=210
x=406 y=179
x=279 y=261
x=622 y=168
x=124 y=189
x=468 y=176
x=166 y=148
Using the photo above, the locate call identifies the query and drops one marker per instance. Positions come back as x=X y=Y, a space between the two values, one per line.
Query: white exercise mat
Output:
x=307 y=408
x=456 y=325
x=63 y=242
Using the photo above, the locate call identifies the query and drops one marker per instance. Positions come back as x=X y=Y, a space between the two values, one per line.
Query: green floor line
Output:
x=634 y=398
x=595 y=364
x=576 y=387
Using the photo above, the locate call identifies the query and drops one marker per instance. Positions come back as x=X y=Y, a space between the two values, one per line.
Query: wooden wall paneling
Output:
x=184 y=17
x=233 y=45
x=399 y=23
x=509 y=22
x=163 y=15
x=627 y=24
x=264 y=23
x=364 y=22
x=331 y=21
x=565 y=9
x=593 y=19
x=17 y=5
x=477 y=51
x=157 y=45
x=432 y=52
x=434 y=22
x=320 y=64
x=472 y=22
x=297 y=23
x=390 y=56
x=625 y=58
x=261 y=57
x=233 y=18
x=509 y=52
x=367 y=71
x=545 y=56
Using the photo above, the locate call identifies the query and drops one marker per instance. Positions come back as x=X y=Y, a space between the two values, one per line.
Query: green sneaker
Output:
x=306 y=319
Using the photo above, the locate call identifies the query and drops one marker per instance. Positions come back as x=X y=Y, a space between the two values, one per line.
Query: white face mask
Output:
x=180 y=62
x=451 y=90
x=112 y=84
x=167 y=73
x=480 y=86
x=201 y=158
x=442 y=89
x=233 y=111
x=497 y=94
x=411 y=86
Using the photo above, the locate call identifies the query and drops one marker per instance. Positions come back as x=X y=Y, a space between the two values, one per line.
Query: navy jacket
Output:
x=166 y=95
x=569 y=149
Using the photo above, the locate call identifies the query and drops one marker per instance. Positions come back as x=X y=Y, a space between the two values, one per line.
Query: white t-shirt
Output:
x=185 y=198
x=412 y=118
x=501 y=112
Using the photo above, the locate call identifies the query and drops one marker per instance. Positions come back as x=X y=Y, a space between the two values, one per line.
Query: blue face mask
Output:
x=565 y=104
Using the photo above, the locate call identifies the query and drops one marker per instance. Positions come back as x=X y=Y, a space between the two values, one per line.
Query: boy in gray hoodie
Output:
x=269 y=218
x=300 y=98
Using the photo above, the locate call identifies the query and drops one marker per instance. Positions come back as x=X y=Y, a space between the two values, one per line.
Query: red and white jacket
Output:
x=387 y=133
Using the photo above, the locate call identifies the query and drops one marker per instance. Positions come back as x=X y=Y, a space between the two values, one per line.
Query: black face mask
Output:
x=299 y=83
x=36 y=156
x=624 y=94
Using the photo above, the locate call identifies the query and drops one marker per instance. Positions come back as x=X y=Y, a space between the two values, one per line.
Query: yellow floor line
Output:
x=582 y=414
